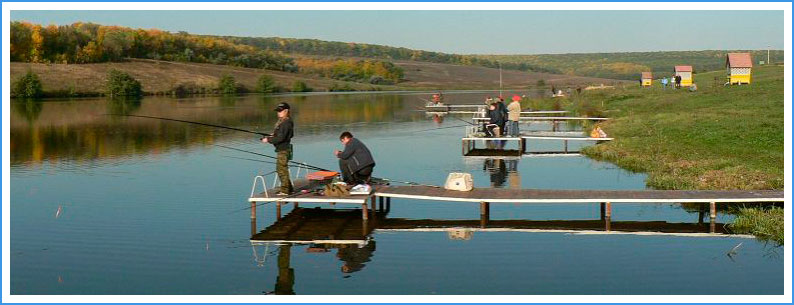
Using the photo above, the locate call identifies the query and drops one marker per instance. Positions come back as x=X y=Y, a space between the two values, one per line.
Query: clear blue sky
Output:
x=467 y=32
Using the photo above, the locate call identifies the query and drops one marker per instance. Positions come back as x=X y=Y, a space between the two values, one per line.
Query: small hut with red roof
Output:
x=646 y=79
x=685 y=72
x=740 y=66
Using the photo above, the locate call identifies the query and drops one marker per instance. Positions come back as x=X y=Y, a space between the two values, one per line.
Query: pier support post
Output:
x=294 y=205
x=566 y=145
x=463 y=147
x=373 y=206
x=608 y=224
x=701 y=213
x=388 y=204
x=712 y=210
x=485 y=211
x=364 y=211
x=278 y=209
x=606 y=210
x=380 y=204
x=253 y=211
x=253 y=226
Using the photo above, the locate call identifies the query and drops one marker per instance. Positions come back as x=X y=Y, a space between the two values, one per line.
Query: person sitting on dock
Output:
x=495 y=121
x=513 y=114
x=282 y=135
x=355 y=162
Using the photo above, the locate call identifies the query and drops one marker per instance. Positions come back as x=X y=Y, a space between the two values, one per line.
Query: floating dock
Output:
x=548 y=118
x=469 y=144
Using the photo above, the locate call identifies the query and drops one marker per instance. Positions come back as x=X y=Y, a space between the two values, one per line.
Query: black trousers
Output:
x=360 y=176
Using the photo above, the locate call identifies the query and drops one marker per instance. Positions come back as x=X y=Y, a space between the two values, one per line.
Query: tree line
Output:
x=367 y=71
x=335 y=48
x=93 y=43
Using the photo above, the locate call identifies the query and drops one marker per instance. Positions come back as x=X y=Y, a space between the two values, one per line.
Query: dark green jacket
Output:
x=282 y=135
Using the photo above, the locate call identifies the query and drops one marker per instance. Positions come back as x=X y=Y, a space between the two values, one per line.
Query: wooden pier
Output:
x=469 y=144
x=548 y=118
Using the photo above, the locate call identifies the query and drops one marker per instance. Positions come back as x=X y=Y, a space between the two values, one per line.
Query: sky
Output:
x=467 y=32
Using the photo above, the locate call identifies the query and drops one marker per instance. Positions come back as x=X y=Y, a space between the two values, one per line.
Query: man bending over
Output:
x=355 y=162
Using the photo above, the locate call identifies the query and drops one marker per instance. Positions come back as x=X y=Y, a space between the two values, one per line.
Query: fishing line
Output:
x=190 y=122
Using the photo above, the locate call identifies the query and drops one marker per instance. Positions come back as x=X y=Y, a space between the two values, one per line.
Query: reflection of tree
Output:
x=123 y=105
x=354 y=258
x=227 y=100
x=27 y=108
x=77 y=131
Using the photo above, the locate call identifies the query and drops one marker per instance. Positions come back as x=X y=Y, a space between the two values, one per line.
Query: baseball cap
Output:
x=281 y=106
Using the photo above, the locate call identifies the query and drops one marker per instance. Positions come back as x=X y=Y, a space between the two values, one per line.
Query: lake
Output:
x=123 y=205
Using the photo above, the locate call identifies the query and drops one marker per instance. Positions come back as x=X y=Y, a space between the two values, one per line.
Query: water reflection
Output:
x=80 y=129
x=323 y=231
x=503 y=170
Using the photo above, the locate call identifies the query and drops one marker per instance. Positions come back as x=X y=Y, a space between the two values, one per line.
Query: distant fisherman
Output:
x=513 y=115
x=355 y=162
x=281 y=138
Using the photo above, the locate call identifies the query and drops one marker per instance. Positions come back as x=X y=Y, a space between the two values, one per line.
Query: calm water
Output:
x=151 y=207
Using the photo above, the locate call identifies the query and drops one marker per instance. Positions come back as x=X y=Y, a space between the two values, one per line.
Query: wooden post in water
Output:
x=388 y=204
x=712 y=216
x=608 y=224
x=566 y=145
x=364 y=211
x=485 y=211
x=373 y=206
x=278 y=209
x=607 y=209
x=253 y=226
x=380 y=204
x=294 y=205
x=253 y=210
x=523 y=145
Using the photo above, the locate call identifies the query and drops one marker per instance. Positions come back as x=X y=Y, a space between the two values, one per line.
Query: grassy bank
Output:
x=716 y=138
x=720 y=137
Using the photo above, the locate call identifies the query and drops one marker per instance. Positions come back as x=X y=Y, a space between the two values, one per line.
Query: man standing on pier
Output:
x=355 y=162
x=513 y=115
x=281 y=139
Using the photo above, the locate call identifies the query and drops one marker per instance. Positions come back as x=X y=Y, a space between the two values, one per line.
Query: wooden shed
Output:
x=646 y=79
x=740 y=66
x=686 y=75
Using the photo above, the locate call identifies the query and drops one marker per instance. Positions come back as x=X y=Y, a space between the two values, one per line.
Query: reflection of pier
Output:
x=496 y=145
x=323 y=231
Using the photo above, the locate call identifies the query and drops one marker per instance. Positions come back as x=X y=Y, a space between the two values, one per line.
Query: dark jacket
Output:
x=357 y=154
x=500 y=106
x=496 y=116
x=282 y=135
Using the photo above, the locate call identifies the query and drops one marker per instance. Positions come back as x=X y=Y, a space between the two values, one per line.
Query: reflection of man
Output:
x=286 y=275
x=354 y=258
x=496 y=167
x=513 y=178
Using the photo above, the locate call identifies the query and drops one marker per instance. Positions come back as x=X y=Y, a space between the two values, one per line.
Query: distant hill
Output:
x=629 y=65
x=619 y=65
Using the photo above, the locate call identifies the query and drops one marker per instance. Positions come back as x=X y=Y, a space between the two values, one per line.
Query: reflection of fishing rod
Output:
x=191 y=122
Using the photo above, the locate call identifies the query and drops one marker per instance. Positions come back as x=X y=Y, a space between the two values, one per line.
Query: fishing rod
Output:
x=439 y=128
x=191 y=122
x=271 y=157
x=316 y=167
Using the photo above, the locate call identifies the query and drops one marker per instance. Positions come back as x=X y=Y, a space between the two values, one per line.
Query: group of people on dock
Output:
x=502 y=120
x=355 y=161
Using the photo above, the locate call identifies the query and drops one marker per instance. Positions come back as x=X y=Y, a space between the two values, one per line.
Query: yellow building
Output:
x=685 y=72
x=646 y=79
x=740 y=66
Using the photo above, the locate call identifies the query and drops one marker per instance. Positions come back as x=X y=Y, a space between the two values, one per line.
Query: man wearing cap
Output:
x=513 y=115
x=282 y=135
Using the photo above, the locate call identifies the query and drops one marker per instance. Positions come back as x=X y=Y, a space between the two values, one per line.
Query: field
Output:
x=720 y=137
x=161 y=77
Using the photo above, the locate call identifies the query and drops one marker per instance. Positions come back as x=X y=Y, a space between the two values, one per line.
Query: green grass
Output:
x=716 y=138
x=766 y=224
